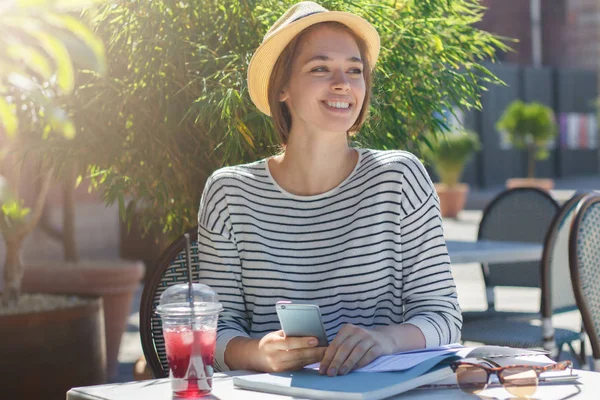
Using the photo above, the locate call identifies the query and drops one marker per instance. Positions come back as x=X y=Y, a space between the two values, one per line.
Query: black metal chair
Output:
x=170 y=269
x=584 y=257
x=523 y=215
x=536 y=330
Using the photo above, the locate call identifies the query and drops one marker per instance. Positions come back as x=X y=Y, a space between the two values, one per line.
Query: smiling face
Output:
x=326 y=88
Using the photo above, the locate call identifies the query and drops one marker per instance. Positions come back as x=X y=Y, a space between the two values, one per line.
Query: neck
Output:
x=312 y=166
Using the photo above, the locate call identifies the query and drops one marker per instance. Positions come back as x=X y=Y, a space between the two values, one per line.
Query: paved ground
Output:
x=468 y=277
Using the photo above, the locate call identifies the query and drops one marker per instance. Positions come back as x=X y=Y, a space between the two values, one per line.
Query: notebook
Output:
x=400 y=373
x=308 y=383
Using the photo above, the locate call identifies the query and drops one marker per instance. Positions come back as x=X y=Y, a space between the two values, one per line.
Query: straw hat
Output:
x=299 y=17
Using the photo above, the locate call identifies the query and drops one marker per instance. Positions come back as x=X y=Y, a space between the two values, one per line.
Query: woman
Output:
x=356 y=231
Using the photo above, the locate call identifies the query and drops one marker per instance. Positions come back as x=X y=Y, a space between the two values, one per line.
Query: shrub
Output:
x=175 y=106
x=450 y=154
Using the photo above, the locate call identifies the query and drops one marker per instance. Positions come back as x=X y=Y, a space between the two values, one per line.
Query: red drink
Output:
x=190 y=355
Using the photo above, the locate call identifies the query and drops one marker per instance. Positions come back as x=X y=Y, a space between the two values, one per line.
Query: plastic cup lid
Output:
x=175 y=301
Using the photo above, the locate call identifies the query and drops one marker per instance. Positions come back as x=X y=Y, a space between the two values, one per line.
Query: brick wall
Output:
x=570 y=31
x=582 y=34
x=509 y=18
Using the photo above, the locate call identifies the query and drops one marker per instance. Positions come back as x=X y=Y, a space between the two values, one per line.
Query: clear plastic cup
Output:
x=190 y=336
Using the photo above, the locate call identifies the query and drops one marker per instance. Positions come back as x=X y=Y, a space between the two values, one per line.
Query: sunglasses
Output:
x=518 y=380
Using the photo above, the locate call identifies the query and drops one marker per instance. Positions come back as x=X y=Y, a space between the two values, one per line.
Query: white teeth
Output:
x=338 y=104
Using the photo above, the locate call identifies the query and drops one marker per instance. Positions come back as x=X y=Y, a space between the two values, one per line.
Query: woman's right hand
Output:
x=278 y=353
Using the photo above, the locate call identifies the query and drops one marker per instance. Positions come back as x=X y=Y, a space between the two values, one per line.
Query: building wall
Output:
x=582 y=34
x=570 y=31
x=509 y=18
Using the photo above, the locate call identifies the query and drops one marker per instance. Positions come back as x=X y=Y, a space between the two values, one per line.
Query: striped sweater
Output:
x=369 y=252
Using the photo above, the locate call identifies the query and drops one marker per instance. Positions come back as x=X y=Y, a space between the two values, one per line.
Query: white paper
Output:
x=404 y=360
x=538 y=360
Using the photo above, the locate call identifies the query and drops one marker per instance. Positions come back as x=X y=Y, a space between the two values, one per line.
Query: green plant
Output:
x=529 y=126
x=174 y=106
x=41 y=44
x=450 y=153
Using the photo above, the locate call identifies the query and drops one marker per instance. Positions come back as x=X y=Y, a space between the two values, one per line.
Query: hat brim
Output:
x=264 y=59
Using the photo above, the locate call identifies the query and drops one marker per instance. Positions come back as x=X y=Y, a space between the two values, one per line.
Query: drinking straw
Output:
x=189 y=268
x=196 y=367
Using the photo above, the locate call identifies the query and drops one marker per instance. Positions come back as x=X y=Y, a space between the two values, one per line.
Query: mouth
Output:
x=339 y=106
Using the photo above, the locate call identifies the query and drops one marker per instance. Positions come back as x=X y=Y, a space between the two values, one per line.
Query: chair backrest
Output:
x=524 y=215
x=170 y=269
x=584 y=260
x=557 y=294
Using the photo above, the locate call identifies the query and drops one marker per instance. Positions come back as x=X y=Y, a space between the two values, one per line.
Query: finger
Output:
x=356 y=355
x=342 y=353
x=293 y=343
x=299 y=358
x=276 y=340
x=332 y=348
x=373 y=353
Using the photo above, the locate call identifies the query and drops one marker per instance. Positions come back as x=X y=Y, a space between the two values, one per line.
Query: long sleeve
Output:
x=429 y=293
x=369 y=252
x=220 y=268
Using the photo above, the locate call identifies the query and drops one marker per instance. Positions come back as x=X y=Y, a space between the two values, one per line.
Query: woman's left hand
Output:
x=353 y=348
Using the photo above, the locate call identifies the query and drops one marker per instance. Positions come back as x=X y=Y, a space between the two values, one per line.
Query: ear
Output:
x=283 y=95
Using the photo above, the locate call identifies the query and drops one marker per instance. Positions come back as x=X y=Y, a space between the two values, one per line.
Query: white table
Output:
x=223 y=389
x=492 y=251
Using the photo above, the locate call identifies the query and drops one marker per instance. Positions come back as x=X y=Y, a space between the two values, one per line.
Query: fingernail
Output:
x=332 y=372
x=343 y=370
x=312 y=342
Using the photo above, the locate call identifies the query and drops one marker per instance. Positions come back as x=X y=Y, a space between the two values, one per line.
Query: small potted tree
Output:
x=530 y=127
x=449 y=156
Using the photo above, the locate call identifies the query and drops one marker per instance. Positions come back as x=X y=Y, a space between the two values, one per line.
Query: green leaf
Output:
x=68 y=129
x=15 y=210
x=60 y=56
x=56 y=50
x=122 y=208
x=64 y=5
x=439 y=46
x=32 y=58
x=82 y=32
x=8 y=118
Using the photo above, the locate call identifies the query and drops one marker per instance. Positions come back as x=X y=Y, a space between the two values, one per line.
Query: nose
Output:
x=340 y=82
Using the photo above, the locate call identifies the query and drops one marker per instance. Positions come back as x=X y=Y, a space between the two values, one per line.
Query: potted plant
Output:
x=115 y=280
x=57 y=342
x=449 y=156
x=531 y=127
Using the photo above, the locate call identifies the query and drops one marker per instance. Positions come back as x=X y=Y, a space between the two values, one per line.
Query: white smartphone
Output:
x=301 y=320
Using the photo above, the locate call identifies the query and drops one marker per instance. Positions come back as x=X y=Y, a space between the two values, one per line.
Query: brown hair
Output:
x=280 y=76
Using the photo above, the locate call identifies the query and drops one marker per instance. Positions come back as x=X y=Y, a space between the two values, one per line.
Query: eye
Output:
x=319 y=69
x=356 y=71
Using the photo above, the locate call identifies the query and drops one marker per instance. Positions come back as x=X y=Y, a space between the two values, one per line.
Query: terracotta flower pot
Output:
x=452 y=198
x=114 y=280
x=544 y=184
x=46 y=353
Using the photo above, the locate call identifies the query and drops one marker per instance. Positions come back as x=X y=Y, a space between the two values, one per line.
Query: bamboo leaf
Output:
x=55 y=49
x=60 y=56
x=80 y=31
x=31 y=57
x=8 y=118
x=64 y=5
x=122 y=208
